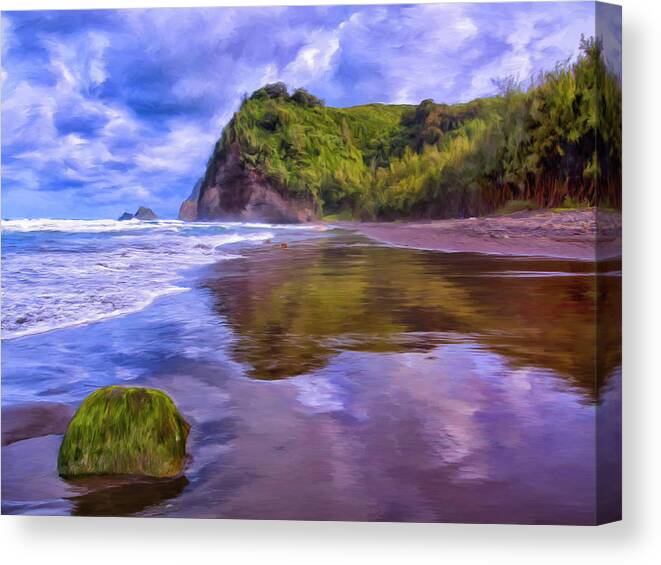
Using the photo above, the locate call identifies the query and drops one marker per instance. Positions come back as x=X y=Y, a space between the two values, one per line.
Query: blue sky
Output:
x=103 y=111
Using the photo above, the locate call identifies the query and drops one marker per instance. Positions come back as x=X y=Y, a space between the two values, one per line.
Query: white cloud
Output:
x=313 y=61
x=535 y=40
x=178 y=151
x=39 y=152
x=418 y=55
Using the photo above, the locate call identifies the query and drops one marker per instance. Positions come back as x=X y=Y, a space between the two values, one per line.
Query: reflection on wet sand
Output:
x=453 y=434
x=293 y=309
x=128 y=497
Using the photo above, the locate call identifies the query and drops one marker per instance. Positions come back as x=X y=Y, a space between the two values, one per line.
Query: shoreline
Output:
x=582 y=235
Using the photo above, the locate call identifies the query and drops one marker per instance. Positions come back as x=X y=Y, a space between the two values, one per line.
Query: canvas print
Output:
x=354 y=263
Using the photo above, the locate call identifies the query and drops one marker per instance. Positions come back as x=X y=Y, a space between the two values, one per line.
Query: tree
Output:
x=303 y=97
x=273 y=90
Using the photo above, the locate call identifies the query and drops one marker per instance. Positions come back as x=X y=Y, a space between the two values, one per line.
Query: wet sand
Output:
x=34 y=419
x=585 y=235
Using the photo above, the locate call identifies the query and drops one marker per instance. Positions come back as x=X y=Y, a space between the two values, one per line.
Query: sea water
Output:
x=68 y=274
x=63 y=273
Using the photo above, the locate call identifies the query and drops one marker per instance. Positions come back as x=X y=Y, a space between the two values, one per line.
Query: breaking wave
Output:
x=63 y=273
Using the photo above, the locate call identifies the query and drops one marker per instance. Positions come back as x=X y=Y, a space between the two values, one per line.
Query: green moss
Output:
x=124 y=431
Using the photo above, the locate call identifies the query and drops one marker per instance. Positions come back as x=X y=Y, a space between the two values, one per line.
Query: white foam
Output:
x=58 y=324
x=70 y=279
x=99 y=226
x=86 y=226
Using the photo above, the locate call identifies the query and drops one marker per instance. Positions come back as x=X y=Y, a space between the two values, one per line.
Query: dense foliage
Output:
x=556 y=143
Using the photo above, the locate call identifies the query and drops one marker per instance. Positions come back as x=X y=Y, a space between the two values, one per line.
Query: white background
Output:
x=97 y=541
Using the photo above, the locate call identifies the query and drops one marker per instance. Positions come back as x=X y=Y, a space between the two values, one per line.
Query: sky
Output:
x=103 y=111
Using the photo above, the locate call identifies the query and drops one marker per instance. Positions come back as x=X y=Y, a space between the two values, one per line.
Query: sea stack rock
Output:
x=145 y=214
x=125 y=216
x=124 y=431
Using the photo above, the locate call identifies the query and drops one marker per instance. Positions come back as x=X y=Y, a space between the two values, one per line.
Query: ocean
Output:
x=63 y=273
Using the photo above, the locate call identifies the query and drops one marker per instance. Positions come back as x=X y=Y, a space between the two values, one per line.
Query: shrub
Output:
x=303 y=97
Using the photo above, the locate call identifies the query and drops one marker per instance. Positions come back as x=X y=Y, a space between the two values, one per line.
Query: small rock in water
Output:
x=124 y=431
x=144 y=213
x=284 y=245
x=125 y=216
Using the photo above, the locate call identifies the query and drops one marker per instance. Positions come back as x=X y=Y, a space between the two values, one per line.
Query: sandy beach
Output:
x=584 y=235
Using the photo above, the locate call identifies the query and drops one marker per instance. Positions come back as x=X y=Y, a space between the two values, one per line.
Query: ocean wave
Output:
x=86 y=226
x=64 y=280
x=59 y=323
x=101 y=226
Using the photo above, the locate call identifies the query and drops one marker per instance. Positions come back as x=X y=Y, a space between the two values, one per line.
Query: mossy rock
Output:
x=124 y=431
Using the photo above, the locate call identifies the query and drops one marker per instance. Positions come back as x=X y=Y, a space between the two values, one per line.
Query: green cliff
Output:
x=288 y=157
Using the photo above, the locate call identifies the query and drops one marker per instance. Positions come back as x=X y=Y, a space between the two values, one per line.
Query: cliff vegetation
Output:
x=555 y=143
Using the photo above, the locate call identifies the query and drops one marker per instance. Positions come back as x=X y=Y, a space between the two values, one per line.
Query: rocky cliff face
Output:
x=232 y=191
x=188 y=208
